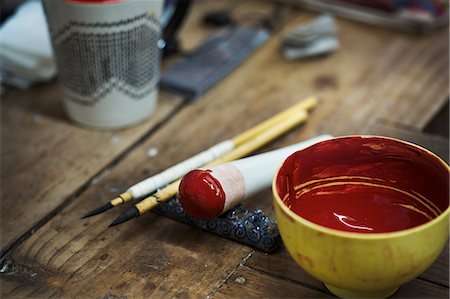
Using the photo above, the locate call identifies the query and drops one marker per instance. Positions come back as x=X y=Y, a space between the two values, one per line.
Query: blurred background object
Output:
x=412 y=15
x=318 y=37
x=174 y=13
x=215 y=58
x=8 y=8
x=25 y=50
x=108 y=58
x=27 y=58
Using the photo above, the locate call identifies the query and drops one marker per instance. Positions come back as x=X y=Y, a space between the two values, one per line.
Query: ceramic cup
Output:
x=107 y=57
x=368 y=249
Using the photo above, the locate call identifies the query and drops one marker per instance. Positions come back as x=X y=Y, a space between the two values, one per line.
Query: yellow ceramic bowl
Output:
x=352 y=264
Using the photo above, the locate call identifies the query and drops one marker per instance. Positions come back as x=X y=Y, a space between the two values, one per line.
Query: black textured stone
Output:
x=253 y=229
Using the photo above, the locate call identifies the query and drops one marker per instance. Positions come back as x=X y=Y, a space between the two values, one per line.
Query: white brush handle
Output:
x=175 y=172
x=258 y=171
x=242 y=178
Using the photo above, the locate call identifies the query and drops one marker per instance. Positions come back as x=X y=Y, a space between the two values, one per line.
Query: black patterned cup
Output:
x=108 y=57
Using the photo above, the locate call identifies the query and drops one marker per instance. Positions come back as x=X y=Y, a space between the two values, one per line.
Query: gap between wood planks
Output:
x=397 y=125
x=437 y=125
x=287 y=279
x=241 y=263
x=283 y=278
x=5 y=261
x=432 y=282
x=440 y=122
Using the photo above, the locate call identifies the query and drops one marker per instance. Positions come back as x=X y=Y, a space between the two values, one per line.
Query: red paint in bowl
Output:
x=364 y=184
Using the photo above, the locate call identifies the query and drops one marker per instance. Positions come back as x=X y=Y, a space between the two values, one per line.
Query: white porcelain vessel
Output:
x=108 y=58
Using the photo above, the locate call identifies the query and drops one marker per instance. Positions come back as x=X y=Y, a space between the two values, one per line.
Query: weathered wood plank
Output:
x=437 y=144
x=248 y=283
x=45 y=158
x=389 y=89
x=421 y=289
x=71 y=250
x=129 y=261
x=361 y=82
x=145 y=257
x=281 y=264
x=439 y=124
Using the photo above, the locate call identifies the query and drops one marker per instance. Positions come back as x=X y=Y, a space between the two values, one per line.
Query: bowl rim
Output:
x=356 y=235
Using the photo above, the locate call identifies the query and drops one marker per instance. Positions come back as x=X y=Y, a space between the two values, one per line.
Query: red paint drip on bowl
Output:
x=364 y=185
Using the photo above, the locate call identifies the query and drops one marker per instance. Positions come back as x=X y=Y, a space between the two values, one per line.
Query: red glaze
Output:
x=364 y=184
x=201 y=195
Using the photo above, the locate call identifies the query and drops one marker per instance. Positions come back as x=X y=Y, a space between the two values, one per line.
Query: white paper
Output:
x=25 y=47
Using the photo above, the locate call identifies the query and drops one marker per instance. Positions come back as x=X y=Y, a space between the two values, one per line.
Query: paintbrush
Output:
x=258 y=141
x=209 y=192
x=175 y=172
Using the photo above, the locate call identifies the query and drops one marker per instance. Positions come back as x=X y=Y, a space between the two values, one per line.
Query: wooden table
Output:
x=379 y=82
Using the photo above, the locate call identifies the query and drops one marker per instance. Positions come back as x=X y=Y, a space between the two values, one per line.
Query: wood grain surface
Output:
x=256 y=284
x=366 y=87
x=46 y=159
x=253 y=283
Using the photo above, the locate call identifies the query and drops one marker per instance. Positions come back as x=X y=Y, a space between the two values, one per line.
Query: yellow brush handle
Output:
x=122 y=198
x=305 y=105
x=162 y=195
x=263 y=138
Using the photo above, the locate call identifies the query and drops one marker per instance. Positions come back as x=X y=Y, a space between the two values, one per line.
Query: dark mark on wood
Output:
x=325 y=81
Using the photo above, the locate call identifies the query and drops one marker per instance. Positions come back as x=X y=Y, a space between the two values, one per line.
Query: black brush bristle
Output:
x=99 y=210
x=131 y=213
